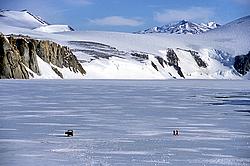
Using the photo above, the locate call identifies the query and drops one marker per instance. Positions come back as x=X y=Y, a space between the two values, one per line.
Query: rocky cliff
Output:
x=19 y=54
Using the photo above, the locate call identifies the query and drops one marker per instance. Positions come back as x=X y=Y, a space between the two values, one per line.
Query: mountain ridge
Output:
x=22 y=57
x=181 y=27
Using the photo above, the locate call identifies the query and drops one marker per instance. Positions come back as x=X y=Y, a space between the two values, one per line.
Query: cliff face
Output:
x=18 y=55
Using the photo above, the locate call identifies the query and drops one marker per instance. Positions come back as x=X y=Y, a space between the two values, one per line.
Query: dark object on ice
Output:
x=175 y=132
x=69 y=133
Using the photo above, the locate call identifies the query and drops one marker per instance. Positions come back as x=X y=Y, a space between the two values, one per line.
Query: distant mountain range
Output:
x=181 y=27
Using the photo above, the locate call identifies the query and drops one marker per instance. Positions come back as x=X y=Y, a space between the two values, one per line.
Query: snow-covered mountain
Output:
x=25 y=19
x=181 y=27
x=22 y=19
x=221 y=53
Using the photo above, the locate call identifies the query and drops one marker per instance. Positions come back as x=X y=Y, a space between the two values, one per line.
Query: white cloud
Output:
x=117 y=21
x=193 y=13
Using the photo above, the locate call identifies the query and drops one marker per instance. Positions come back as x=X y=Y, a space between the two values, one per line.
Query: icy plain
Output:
x=124 y=122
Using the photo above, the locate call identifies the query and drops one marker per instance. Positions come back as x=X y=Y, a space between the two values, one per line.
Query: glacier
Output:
x=125 y=122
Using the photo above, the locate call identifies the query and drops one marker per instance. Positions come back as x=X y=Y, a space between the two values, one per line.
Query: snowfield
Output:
x=124 y=122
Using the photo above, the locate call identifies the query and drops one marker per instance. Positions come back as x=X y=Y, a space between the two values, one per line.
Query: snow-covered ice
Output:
x=124 y=122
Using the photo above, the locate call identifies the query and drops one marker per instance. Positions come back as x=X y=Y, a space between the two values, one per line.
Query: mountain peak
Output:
x=181 y=27
x=183 y=21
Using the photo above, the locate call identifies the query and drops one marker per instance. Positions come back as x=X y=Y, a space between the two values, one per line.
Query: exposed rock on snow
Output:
x=140 y=56
x=242 y=63
x=173 y=61
x=18 y=57
x=197 y=58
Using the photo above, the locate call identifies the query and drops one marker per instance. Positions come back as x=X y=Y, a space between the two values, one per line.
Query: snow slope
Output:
x=25 y=19
x=182 y=27
x=111 y=55
x=217 y=48
x=54 y=28
x=232 y=37
x=22 y=19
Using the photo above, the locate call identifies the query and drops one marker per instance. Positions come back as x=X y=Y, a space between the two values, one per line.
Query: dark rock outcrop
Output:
x=140 y=55
x=242 y=63
x=17 y=53
x=57 y=72
x=154 y=66
x=161 y=61
x=196 y=57
x=173 y=61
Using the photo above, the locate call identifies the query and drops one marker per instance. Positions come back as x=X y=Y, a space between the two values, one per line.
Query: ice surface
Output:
x=124 y=122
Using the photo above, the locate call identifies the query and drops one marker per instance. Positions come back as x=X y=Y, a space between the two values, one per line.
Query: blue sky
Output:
x=130 y=15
